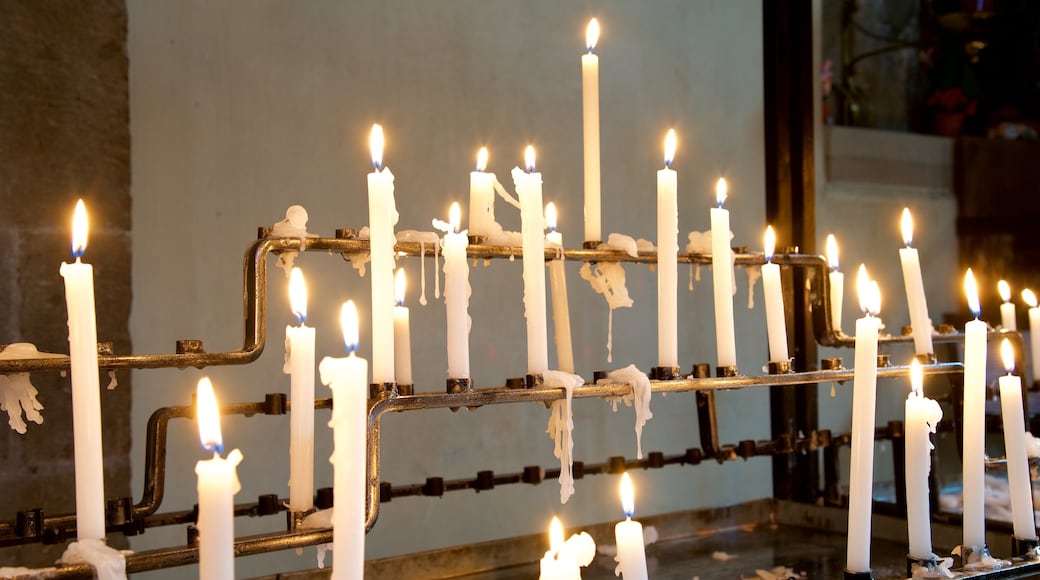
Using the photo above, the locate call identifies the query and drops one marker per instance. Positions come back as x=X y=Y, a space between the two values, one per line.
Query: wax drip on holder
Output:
x=1027 y=549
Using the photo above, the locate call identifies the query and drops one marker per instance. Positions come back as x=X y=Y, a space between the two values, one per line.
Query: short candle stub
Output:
x=701 y=371
x=884 y=360
x=534 y=380
x=1027 y=549
x=779 y=367
x=665 y=373
x=591 y=244
x=456 y=386
x=405 y=390
x=346 y=233
x=516 y=383
x=931 y=564
x=926 y=359
x=831 y=363
x=727 y=372
x=382 y=390
x=850 y=575
x=477 y=239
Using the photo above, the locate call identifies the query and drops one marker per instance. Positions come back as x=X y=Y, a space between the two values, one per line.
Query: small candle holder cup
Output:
x=533 y=380
x=884 y=361
x=405 y=390
x=598 y=376
x=850 y=575
x=456 y=386
x=591 y=244
x=832 y=363
x=516 y=383
x=293 y=520
x=926 y=359
x=665 y=373
x=701 y=371
x=727 y=372
x=1026 y=549
x=477 y=240
x=779 y=367
x=380 y=391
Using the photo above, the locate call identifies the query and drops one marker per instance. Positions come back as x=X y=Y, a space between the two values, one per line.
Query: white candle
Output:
x=722 y=279
x=86 y=392
x=631 y=554
x=974 y=444
x=217 y=486
x=560 y=302
x=532 y=231
x=776 y=325
x=402 y=333
x=481 y=197
x=557 y=564
x=667 y=259
x=919 y=320
x=1015 y=448
x=348 y=378
x=381 y=218
x=299 y=365
x=1008 y=317
x=590 y=117
x=921 y=417
x=837 y=280
x=456 y=296
x=1034 y=330
x=864 y=393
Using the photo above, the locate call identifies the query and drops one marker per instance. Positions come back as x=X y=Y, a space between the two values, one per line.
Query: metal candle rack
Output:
x=124 y=516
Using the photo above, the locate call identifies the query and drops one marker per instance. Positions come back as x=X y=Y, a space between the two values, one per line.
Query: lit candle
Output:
x=667 y=259
x=590 y=112
x=381 y=218
x=456 y=295
x=217 y=486
x=974 y=445
x=1015 y=448
x=1034 y=329
x=864 y=393
x=558 y=290
x=921 y=417
x=919 y=320
x=532 y=231
x=1008 y=317
x=557 y=563
x=837 y=280
x=86 y=392
x=776 y=326
x=722 y=279
x=347 y=377
x=631 y=555
x=402 y=333
x=481 y=197
x=299 y=365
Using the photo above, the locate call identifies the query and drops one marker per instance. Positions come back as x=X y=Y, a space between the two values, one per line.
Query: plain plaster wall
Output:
x=240 y=109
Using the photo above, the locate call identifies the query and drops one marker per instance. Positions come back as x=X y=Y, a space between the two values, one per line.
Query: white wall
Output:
x=240 y=109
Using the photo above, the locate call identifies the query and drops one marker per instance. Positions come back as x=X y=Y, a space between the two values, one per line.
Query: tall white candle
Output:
x=558 y=291
x=919 y=320
x=974 y=444
x=402 y=332
x=1015 y=448
x=864 y=393
x=217 y=486
x=347 y=378
x=921 y=417
x=837 y=280
x=381 y=217
x=456 y=296
x=667 y=259
x=1008 y=317
x=722 y=279
x=299 y=365
x=590 y=118
x=532 y=230
x=481 y=197
x=776 y=325
x=86 y=392
x=631 y=554
x=557 y=564
x=1034 y=330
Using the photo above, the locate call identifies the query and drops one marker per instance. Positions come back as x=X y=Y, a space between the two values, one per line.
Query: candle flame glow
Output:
x=79 y=229
x=348 y=321
x=1004 y=289
x=832 y=252
x=375 y=144
x=874 y=302
x=770 y=243
x=207 y=414
x=592 y=34
x=455 y=216
x=482 y=159
x=555 y=534
x=669 y=147
x=863 y=288
x=298 y=295
x=550 y=216
x=1007 y=354
x=529 y=159
x=971 y=291
x=399 y=286
x=907 y=225
x=916 y=378
x=721 y=189
x=1029 y=298
x=628 y=496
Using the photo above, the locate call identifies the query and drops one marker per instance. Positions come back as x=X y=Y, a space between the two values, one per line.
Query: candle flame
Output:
x=592 y=34
x=669 y=147
x=1029 y=298
x=348 y=321
x=529 y=159
x=555 y=534
x=1007 y=354
x=207 y=414
x=455 y=216
x=971 y=291
x=863 y=288
x=482 y=159
x=832 y=252
x=874 y=305
x=916 y=378
x=628 y=496
x=721 y=189
x=550 y=216
x=770 y=243
x=399 y=285
x=1004 y=289
x=298 y=295
x=79 y=229
x=375 y=144
x=907 y=225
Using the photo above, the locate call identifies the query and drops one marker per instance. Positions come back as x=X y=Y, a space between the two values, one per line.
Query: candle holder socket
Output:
x=192 y=534
x=598 y=376
x=380 y=391
x=119 y=511
x=485 y=480
x=346 y=233
x=434 y=486
x=533 y=474
x=267 y=504
x=655 y=460
x=405 y=390
x=922 y=568
x=456 y=386
x=474 y=239
x=884 y=361
x=262 y=232
x=727 y=372
x=516 y=383
x=778 y=367
x=275 y=403
x=386 y=492
x=926 y=359
x=533 y=380
x=740 y=249
x=324 y=498
x=591 y=244
x=665 y=373
x=906 y=330
x=831 y=363
x=693 y=456
x=850 y=575
x=105 y=349
x=189 y=346
x=616 y=465
x=701 y=371
x=1028 y=549
x=29 y=523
